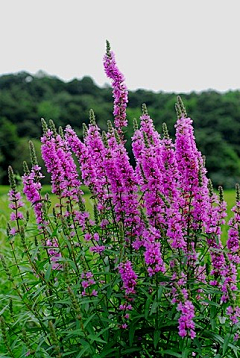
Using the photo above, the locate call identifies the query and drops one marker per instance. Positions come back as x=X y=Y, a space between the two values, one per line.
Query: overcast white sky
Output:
x=167 y=45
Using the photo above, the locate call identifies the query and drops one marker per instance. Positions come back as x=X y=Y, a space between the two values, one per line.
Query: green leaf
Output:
x=225 y=344
x=211 y=303
x=159 y=294
x=213 y=323
x=185 y=353
x=172 y=353
x=109 y=291
x=235 y=349
x=154 y=307
x=105 y=332
x=69 y=353
x=83 y=350
x=132 y=350
x=96 y=338
x=48 y=272
x=106 y=352
x=156 y=337
x=132 y=330
x=146 y=310
x=88 y=320
x=75 y=332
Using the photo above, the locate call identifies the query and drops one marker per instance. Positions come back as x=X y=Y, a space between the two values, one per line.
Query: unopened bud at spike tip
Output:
x=33 y=156
x=117 y=136
x=220 y=190
x=108 y=48
x=110 y=126
x=44 y=125
x=96 y=214
x=92 y=117
x=178 y=111
x=165 y=131
x=210 y=187
x=8 y=229
x=135 y=124
x=237 y=193
x=144 y=109
x=85 y=130
x=53 y=127
x=204 y=161
x=61 y=133
x=182 y=107
x=200 y=178
x=104 y=138
x=11 y=178
x=25 y=168
x=145 y=138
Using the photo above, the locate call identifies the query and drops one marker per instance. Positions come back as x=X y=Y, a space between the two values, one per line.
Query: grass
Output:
x=5 y=210
x=229 y=196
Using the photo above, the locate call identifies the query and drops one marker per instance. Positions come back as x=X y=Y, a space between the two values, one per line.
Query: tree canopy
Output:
x=25 y=98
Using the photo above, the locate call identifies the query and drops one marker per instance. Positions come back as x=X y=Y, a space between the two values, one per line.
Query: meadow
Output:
x=229 y=196
x=5 y=210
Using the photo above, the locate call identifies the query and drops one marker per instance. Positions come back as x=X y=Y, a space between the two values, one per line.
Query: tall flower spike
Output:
x=32 y=187
x=120 y=93
x=59 y=162
x=190 y=167
x=215 y=219
x=15 y=203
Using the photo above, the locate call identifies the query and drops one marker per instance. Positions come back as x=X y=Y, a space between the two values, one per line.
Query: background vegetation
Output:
x=24 y=99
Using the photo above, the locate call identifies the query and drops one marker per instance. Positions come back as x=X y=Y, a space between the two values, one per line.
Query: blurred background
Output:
x=51 y=67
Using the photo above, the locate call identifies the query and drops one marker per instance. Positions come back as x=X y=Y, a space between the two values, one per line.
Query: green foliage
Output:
x=24 y=99
x=8 y=146
x=43 y=313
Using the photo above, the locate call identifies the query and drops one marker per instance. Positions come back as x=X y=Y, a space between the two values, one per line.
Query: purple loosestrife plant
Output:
x=120 y=260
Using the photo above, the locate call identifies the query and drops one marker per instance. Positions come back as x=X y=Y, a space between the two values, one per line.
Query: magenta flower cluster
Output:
x=128 y=276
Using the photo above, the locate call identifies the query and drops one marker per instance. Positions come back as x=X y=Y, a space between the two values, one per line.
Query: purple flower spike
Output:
x=128 y=277
x=120 y=93
x=186 y=324
x=32 y=188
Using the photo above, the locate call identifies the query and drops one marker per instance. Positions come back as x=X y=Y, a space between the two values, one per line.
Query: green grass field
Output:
x=229 y=196
x=5 y=210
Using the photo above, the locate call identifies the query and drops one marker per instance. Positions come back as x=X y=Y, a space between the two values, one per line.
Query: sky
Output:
x=161 y=45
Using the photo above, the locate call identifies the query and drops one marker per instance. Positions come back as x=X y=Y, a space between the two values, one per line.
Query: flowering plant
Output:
x=142 y=271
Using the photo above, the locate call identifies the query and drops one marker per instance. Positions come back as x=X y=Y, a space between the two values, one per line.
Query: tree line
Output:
x=25 y=98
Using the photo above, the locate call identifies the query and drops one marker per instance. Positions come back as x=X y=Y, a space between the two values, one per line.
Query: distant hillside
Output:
x=24 y=99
